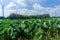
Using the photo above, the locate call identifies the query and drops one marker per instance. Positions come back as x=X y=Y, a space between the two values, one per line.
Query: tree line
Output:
x=19 y=16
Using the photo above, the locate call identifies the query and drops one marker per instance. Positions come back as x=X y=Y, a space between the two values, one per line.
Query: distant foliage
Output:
x=19 y=16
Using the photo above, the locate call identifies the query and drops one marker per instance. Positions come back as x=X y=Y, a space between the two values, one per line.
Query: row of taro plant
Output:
x=30 y=29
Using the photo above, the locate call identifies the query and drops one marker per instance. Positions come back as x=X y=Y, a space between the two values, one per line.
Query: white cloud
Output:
x=31 y=12
x=53 y=11
x=21 y=2
x=35 y=1
x=8 y=12
x=37 y=6
x=57 y=6
x=27 y=12
x=38 y=9
x=11 y=4
x=50 y=11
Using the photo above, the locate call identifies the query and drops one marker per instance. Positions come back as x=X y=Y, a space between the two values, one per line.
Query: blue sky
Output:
x=31 y=7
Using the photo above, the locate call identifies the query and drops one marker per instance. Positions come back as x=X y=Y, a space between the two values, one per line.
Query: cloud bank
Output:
x=31 y=7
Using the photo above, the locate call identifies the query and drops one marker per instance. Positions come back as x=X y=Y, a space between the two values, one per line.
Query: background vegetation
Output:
x=19 y=16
